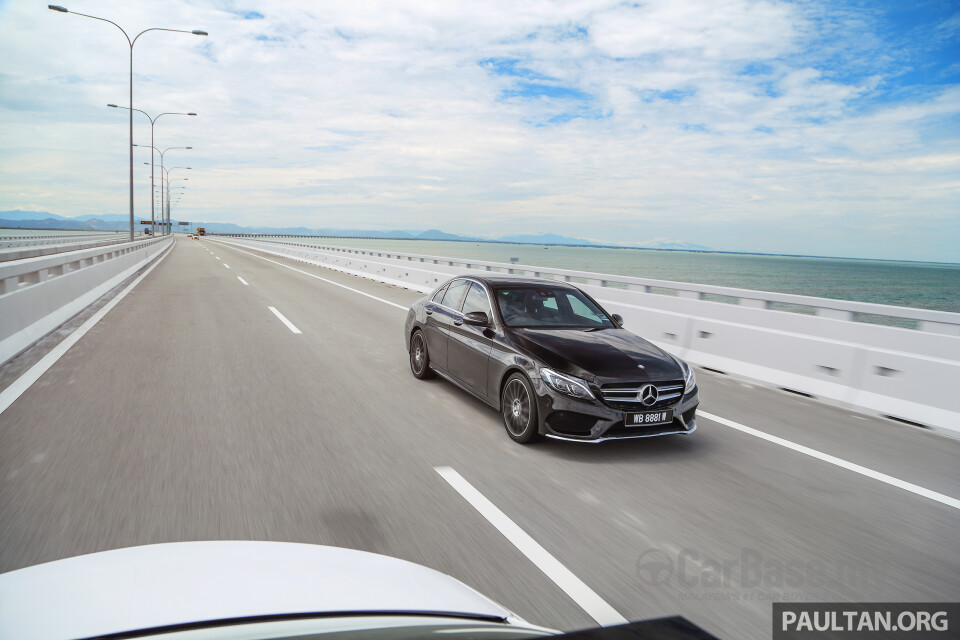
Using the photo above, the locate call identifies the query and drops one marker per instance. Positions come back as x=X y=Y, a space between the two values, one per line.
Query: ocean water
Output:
x=907 y=284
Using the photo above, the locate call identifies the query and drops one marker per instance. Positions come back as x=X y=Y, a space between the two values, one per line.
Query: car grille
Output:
x=627 y=395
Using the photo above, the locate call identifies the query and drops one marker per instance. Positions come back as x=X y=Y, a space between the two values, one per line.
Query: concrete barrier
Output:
x=39 y=294
x=823 y=349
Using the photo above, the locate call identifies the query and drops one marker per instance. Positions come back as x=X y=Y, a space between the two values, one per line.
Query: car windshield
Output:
x=556 y=307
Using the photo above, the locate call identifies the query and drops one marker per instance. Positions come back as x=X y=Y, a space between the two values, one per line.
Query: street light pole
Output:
x=168 y=220
x=161 y=159
x=153 y=121
x=195 y=32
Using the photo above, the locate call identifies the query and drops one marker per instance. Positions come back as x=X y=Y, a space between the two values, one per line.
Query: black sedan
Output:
x=550 y=359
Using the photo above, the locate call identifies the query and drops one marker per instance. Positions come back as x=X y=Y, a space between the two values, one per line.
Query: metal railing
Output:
x=928 y=320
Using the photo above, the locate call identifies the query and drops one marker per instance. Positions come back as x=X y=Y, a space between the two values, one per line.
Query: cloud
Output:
x=602 y=119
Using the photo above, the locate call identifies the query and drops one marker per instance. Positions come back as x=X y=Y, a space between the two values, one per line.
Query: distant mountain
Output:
x=17 y=214
x=42 y=220
x=120 y=222
x=547 y=238
x=436 y=234
x=108 y=217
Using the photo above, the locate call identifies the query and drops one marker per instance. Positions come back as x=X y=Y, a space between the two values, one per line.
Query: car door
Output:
x=441 y=312
x=468 y=347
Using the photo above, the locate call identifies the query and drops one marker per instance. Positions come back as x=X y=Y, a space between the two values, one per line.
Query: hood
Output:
x=600 y=355
x=168 y=584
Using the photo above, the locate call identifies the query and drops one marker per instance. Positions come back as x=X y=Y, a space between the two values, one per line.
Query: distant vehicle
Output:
x=147 y=232
x=264 y=590
x=550 y=359
x=201 y=231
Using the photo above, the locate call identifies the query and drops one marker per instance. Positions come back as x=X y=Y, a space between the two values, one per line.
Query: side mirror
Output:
x=476 y=318
x=618 y=319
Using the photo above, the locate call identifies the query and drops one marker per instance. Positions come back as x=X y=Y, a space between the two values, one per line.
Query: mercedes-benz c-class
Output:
x=550 y=359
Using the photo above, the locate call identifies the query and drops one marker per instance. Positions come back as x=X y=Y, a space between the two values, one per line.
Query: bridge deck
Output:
x=191 y=412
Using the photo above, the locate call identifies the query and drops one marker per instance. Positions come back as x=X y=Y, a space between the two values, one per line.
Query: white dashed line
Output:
x=870 y=473
x=226 y=265
x=337 y=284
x=588 y=600
x=284 y=320
x=242 y=280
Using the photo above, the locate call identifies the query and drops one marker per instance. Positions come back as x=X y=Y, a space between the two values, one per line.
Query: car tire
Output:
x=419 y=358
x=519 y=409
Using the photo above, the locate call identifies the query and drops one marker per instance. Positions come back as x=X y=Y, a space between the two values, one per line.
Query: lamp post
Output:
x=170 y=193
x=153 y=121
x=132 y=42
x=161 y=157
x=167 y=171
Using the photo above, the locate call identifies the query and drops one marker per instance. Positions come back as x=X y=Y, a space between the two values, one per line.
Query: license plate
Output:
x=648 y=418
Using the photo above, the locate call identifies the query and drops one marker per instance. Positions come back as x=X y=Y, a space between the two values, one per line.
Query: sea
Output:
x=924 y=285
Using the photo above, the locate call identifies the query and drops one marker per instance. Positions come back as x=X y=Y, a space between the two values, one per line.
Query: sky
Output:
x=818 y=128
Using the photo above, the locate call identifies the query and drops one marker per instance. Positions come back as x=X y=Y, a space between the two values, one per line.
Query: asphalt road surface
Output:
x=192 y=411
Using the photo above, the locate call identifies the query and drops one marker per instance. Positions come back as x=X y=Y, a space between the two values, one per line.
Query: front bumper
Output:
x=564 y=418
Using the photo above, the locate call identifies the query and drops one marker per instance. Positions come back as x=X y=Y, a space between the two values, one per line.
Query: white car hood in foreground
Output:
x=167 y=584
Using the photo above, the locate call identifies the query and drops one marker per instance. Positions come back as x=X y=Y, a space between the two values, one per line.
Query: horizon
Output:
x=494 y=240
x=820 y=129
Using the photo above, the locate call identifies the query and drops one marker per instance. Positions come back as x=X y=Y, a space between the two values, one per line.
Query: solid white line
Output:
x=242 y=280
x=579 y=592
x=284 y=320
x=343 y=286
x=226 y=265
x=819 y=455
x=876 y=475
x=9 y=395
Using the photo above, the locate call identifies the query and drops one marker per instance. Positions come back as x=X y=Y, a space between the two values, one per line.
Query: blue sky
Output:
x=827 y=128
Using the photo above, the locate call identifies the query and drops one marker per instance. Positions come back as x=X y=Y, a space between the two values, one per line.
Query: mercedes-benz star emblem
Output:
x=648 y=395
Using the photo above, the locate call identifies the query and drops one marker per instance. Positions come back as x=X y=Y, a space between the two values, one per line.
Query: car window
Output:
x=580 y=307
x=476 y=300
x=549 y=307
x=454 y=294
x=438 y=296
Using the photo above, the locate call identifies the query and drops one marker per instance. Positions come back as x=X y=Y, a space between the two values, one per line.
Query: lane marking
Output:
x=217 y=257
x=226 y=265
x=585 y=597
x=243 y=281
x=306 y=273
x=870 y=473
x=284 y=320
x=16 y=389
x=826 y=457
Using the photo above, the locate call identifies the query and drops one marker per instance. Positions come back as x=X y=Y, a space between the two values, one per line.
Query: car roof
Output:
x=507 y=280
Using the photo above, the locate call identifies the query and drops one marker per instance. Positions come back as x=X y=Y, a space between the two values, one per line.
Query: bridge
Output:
x=244 y=388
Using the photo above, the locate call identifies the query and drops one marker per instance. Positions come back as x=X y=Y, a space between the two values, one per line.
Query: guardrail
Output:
x=39 y=294
x=822 y=351
x=17 y=249
x=7 y=242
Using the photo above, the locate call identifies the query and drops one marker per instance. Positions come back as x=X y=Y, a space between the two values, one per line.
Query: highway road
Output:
x=193 y=411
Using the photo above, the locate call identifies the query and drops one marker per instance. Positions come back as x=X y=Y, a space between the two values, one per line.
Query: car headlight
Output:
x=689 y=379
x=568 y=385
